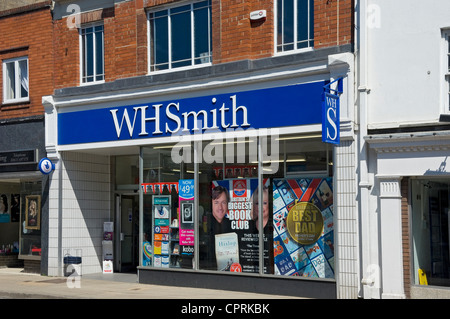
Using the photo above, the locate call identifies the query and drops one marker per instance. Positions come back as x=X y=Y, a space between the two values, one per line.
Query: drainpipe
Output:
x=368 y=229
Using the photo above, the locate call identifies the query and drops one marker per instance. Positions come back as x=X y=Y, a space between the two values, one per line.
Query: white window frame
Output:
x=18 y=98
x=170 y=62
x=295 y=49
x=446 y=70
x=82 y=48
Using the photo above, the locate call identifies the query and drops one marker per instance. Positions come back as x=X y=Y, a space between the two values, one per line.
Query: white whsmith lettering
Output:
x=174 y=120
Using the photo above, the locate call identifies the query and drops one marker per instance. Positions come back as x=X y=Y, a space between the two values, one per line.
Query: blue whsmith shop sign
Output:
x=330 y=113
x=292 y=105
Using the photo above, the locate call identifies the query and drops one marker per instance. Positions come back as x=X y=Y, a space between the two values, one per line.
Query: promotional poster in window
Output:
x=303 y=227
x=235 y=211
x=298 y=235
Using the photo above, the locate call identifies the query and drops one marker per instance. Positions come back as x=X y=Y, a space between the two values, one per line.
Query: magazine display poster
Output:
x=161 y=230
x=303 y=227
x=147 y=254
x=10 y=208
x=185 y=249
x=237 y=250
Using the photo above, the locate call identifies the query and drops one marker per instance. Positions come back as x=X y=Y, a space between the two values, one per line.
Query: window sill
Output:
x=91 y=83
x=294 y=51
x=184 y=68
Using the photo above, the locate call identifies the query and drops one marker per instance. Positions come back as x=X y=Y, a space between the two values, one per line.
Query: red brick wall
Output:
x=406 y=245
x=234 y=36
x=67 y=55
x=333 y=22
x=29 y=34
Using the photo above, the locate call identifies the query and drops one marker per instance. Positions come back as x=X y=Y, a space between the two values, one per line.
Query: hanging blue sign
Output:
x=331 y=112
x=330 y=119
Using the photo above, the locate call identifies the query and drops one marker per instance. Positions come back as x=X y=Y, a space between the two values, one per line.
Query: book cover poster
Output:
x=241 y=216
x=227 y=251
x=292 y=257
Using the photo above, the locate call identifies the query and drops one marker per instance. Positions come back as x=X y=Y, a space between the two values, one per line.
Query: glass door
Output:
x=128 y=231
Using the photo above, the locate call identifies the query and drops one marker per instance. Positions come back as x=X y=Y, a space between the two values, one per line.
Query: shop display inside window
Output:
x=296 y=215
x=9 y=217
x=169 y=213
x=303 y=227
x=430 y=230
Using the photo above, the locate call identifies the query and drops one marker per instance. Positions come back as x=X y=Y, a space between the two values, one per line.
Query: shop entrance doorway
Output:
x=127 y=239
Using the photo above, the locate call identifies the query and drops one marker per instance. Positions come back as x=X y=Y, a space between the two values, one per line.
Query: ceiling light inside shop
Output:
x=300 y=158
x=171 y=146
x=189 y=172
x=299 y=137
x=231 y=142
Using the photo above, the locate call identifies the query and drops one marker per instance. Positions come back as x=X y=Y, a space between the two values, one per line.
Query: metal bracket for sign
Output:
x=340 y=87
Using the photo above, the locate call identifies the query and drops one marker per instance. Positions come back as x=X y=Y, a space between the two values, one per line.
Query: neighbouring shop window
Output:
x=15 y=80
x=430 y=231
x=31 y=215
x=295 y=25
x=180 y=36
x=92 y=54
x=9 y=218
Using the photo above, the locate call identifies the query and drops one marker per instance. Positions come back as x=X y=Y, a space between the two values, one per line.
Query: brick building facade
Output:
x=26 y=74
x=106 y=54
x=234 y=36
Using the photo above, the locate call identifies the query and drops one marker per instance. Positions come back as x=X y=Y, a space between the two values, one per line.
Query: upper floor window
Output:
x=15 y=80
x=180 y=36
x=92 y=54
x=295 y=25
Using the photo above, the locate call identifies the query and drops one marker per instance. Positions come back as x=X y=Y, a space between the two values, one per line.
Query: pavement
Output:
x=16 y=284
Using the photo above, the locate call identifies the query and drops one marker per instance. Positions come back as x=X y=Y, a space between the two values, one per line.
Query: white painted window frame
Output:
x=446 y=70
x=296 y=49
x=170 y=62
x=82 y=48
x=18 y=99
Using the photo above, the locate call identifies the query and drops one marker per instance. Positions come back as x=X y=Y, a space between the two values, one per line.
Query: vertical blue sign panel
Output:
x=330 y=119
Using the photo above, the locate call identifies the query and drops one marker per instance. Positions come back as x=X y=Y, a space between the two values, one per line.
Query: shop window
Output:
x=295 y=25
x=430 y=231
x=31 y=215
x=229 y=233
x=302 y=209
x=293 y=229
x=92 y=54
x=15 y=80
x=180 y=36
x=168 y=217
x=127 y=172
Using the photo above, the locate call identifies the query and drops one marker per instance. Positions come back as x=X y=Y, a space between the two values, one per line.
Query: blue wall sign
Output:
x=46 y=166
x=330 y=119
x=291 y=105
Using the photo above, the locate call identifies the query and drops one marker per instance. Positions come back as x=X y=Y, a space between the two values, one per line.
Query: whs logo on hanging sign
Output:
x=330 y=119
